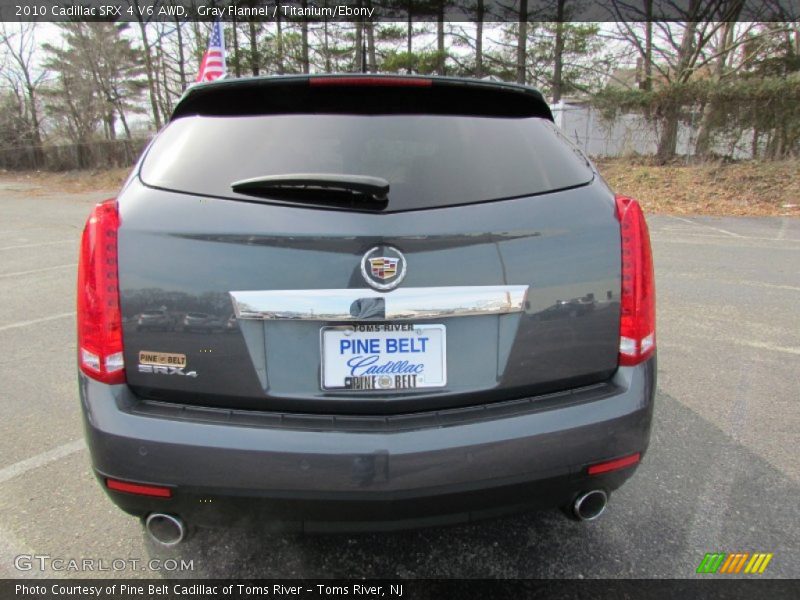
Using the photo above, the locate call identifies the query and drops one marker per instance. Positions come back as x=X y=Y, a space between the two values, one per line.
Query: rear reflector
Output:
x=637 y=331
x=99 y=318
x=614 y=465
x=138 y=488
x=371 y=81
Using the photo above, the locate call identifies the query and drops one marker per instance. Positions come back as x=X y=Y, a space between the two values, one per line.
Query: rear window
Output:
x=430 y=161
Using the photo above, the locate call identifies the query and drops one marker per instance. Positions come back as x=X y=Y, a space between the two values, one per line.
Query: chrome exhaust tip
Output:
x=589 y=506
x=165 y=530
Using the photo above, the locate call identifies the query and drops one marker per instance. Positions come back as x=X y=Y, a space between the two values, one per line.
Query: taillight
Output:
x=637 y=330
x=99 y=318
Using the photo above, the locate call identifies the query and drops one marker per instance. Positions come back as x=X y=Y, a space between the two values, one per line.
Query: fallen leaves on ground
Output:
x=42 y=183
x=726 y=189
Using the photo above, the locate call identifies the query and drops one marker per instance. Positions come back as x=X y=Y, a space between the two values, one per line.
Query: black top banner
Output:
x=399 y=10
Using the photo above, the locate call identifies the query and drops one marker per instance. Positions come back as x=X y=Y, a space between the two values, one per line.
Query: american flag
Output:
x=213 y=64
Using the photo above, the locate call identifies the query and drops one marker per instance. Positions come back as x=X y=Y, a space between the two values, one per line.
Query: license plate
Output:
x=392 y=356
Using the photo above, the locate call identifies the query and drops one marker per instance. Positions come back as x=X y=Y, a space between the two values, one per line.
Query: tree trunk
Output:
x=254 y=55
x=522 y=42
x=304 y=41
x=158 y=65
x=237 y=65
x=372 y=63
x=124 y=122
x=668 y=140
x=198 y=42
x=148 y=67
x=440 y=58
x=279 y=43
x=358 y=58
x=647 y=82
x=479 y=40
x=326 y=46
x=703 y=143
x=36 y=133
x=558 y=52
x=164 y=96
x=181 y=57
x=409 y=37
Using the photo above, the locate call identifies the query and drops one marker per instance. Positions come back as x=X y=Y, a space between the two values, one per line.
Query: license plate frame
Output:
x=433 y=353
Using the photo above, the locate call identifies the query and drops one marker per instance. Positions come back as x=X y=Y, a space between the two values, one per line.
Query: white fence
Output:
x=634 y=134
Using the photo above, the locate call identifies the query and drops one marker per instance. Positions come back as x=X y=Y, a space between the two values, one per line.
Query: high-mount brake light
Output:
x=99 y=318
x=637 y=331
x=371 y=81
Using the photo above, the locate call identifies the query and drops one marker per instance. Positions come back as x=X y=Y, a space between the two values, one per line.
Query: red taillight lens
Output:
x=139 y=489
x=637 y=330
x=99 y=318
x=614 y=465
x=371 y=81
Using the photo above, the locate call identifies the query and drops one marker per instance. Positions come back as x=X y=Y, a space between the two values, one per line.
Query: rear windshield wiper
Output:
x=317 y=187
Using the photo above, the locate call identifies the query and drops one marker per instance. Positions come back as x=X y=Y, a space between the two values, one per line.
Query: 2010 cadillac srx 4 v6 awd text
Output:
x=363 y=302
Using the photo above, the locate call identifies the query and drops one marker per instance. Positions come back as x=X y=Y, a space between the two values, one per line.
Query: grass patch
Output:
x=45 y=183
x=739 y=189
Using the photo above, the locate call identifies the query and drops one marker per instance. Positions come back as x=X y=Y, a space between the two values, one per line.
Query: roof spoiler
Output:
x=361 y=94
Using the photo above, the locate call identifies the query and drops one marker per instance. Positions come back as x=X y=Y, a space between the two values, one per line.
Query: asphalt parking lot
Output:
x=722 y=474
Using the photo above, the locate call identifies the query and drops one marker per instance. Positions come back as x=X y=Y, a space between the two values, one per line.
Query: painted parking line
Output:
x=38 y=244
x=40 y=460
x=37 y=321
x=725 y=231
x=738 y=282
x=696 y=234
x=758 y=345
x=720 y=241
x=32 y=271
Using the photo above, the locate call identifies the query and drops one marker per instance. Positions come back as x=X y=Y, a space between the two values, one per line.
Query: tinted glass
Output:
x=429 y=160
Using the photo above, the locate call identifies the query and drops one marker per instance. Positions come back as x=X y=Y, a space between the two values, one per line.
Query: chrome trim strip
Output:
x=399 y=304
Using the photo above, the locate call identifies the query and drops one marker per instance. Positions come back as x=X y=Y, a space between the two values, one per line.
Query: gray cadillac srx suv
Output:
x=382 y=302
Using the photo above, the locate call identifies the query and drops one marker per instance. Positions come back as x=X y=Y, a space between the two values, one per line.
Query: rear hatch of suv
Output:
x=507 y=239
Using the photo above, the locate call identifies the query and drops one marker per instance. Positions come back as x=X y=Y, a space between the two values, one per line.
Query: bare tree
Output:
x=237 y=63
x=441 y=54
x=304 y=60
x=359 y=62
x=479 y=16
x=522 y=42
x=372 y=64
x=410 y=35
x=143 y=16
x=677 y=51
x=20 y=45
x=558 y=54
x=255 y=56
x=722 y=48
x=279 y=47
x=181 y=55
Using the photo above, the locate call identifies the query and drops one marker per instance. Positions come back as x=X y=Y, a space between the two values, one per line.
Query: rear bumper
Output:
x=228 y=471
